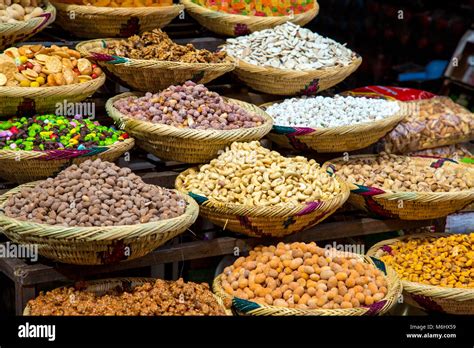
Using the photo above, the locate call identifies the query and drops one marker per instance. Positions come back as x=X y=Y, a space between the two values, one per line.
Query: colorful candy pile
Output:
x=258 y=7
x=51 y=132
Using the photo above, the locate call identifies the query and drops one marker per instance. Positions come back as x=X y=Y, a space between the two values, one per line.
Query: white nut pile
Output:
x=288 y=46
x=327 y=112
x=13 y=11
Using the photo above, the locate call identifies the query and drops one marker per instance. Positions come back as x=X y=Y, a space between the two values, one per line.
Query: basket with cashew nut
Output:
x=409 y=188
x=252 y=190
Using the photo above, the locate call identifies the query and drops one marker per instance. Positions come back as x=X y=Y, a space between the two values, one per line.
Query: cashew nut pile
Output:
x=399 y=173
x=13 y=11
x=249 y=174
x=96 y=193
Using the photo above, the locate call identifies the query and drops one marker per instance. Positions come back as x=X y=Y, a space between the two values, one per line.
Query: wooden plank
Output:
x=22 y=296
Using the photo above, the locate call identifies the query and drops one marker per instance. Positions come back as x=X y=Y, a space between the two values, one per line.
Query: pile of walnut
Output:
x=96 y=193
x=249 y=174
x=161 y=298
x=158 y=45
x=400 y=173
x=14 y=11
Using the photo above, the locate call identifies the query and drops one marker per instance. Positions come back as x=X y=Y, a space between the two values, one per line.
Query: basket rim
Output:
x=104 y=10
x=242 y=18
x=37 y=154
x=89 y=234
x=396 y=287
x=420 y=287
x=150 y=63
x=411 y=195
x=264 y=211
x=188 y=133
x=352 y=128
x=49 y=9
x=141 y=280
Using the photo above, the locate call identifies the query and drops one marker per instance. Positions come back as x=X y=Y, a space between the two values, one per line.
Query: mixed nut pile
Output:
x=328 y=112
x=249 y=174
x=38 y=65
x=121 y=3
x=157 y=45
x=401 y=173
x=14 y=11
x=289 y=46
x=95 y=193
x=188 y=106
x=150 y=299
x=305 y=276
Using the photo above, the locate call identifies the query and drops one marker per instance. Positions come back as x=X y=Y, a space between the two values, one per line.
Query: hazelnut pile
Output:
x=189 y=105
x=95 y=193
x=161 y=298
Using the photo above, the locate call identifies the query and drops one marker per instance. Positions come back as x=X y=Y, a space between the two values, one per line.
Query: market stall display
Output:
x=19 y=20
x=326 y=124
x=436 y=269
x=243 y=17
x=409 y=188
x=153 y=61
x=149 y=297
x=289 y=60
x=94 y=213
x=258 y=192
x=304 y=279
x=187 y=123
x=114 y=18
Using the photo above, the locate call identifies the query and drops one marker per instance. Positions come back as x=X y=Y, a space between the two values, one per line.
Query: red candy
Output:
x=14 y=130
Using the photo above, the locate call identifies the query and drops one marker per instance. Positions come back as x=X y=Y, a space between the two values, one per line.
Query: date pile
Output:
x=95 y=193
x=158 y=45
x=188 y=106
x=150 y=299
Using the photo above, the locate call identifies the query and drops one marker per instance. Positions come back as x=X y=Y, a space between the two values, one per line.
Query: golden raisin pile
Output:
x=442 y=261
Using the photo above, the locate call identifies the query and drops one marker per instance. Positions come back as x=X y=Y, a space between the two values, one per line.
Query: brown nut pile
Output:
x=305 y=276
x=249 y=174
x=14 y=11
x=188 y=106
x=433 y=122
x=441 y=261
x=95 y=193
x=401 y=174
x=158 y=45
x=455 y=151
x=161 y=298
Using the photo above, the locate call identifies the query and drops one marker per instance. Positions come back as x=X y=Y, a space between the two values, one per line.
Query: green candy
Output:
x=6 y=125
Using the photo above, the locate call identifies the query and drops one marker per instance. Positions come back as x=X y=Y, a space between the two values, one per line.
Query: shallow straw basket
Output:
x=94 y=245
x=262 y=221
x=26 y=166
x=246 y=307
x=185 y=144
x=234 y=25
x=11 y=33
x=429 y=297
x=94 y=22
x=334 y=139
x=117 y=285
x=151 y=75
x=28 y=101
x=409 y=205
x=291 y=82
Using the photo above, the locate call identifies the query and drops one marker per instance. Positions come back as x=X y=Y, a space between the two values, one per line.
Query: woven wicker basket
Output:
x=26 y=166
x=94 y=245
x=235 y=25
x=246 y=307
x=184 y=144
x=262 y=221
x=117 y=285
x=151 y=75
x=29 y=101
x=291 y=82
x=429 y=297
x=409 y=205
x=11 y=33
x=335 y=139
x=92 y=22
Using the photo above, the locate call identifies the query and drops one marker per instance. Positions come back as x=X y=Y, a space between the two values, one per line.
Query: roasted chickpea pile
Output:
x=305 y=276
x=161 y=298
x=249 y=174
x=399 y=173
x=441 y=261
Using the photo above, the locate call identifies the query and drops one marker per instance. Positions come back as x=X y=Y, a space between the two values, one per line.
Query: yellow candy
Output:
x=25 y=83
x=34 y=84
x=23 y=59
x=40 y=80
